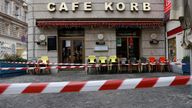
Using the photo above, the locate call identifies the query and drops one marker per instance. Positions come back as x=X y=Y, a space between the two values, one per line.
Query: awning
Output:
x=99 y=23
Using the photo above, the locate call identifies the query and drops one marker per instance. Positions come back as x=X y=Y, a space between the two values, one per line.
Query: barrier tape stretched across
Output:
x=51 y=67
x=48 y=67
x=36 y=63
x=77 y=64
x=67 y=67
x=85 y=86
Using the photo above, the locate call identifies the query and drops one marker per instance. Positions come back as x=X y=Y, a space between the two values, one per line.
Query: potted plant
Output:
x=186 y=65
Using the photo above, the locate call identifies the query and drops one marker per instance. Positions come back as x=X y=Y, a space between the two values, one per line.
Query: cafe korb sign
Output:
x=108 y=6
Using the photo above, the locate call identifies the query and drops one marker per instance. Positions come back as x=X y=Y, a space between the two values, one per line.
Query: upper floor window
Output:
x=17 y=11
x=7 y=7
x=17 y=32
x=25 y=16
x=7 y=29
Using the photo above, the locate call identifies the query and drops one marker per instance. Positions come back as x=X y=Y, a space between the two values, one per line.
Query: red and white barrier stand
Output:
x=85 y=86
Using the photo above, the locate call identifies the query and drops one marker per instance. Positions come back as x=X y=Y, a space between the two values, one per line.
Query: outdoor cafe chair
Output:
x=92 y=64
x=134 y=64
x=164 y=64
x=124 y=66
x=144 y=64
x=103 y=64
x=152 y=64
x=43 y=61
x=113 y=64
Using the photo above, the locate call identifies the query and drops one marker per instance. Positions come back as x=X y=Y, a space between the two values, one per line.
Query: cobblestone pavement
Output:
x=167 y=97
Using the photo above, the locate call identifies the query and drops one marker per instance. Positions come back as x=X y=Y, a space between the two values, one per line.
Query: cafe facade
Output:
x=69 y=31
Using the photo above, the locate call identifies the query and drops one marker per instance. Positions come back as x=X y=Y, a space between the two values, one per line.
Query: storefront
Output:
x=174 y=40
x=71 y=31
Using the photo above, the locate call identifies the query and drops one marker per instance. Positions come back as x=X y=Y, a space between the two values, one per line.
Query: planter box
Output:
x=186 y=69
x=176 y=68
x=11 y=73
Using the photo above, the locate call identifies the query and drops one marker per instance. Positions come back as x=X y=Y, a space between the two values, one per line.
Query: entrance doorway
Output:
x=71 y=45
x=128 y=43
x=72 y=50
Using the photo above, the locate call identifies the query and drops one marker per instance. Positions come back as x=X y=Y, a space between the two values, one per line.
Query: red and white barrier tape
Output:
x=51 y=67
x=48 y=67
x=84 y=86
x=35 y=63
x=69 y=67
x=77 y=64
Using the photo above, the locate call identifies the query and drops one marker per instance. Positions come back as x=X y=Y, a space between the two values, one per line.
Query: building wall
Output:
x=42 y=50
x=38 y=11
x=91 y=38
x=41 y=12
x=13 y=27
x=148 y=49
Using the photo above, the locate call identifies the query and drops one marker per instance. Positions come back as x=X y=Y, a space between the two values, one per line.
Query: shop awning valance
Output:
x=99 y=23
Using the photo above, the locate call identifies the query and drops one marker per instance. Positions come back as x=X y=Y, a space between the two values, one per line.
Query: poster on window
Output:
x=68 y=43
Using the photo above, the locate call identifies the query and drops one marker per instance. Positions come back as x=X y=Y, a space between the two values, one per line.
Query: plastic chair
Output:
x=43 y=61
x=163 y=63
x=113 y=61
x=152 y=64
x=103 y=64
x=92 y=60
x=144 y=64
x=135 y=65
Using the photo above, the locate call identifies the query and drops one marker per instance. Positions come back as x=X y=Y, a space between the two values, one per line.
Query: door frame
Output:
x=128 y=43
x=70 y=38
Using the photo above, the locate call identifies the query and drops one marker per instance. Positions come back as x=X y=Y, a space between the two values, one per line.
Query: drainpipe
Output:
x=33 y=31
x=166 y=41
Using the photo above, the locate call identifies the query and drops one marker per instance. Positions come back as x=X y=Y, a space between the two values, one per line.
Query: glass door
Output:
x=72 y=51
x=128 y=47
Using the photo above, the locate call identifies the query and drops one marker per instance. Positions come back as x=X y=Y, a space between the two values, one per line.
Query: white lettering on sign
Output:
x=75 y=6
x=134 y=7
x=146 y=6
x=120 y=6
x=109 y=6
x=51 y=7
x=63 y=7
x=87 y=6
